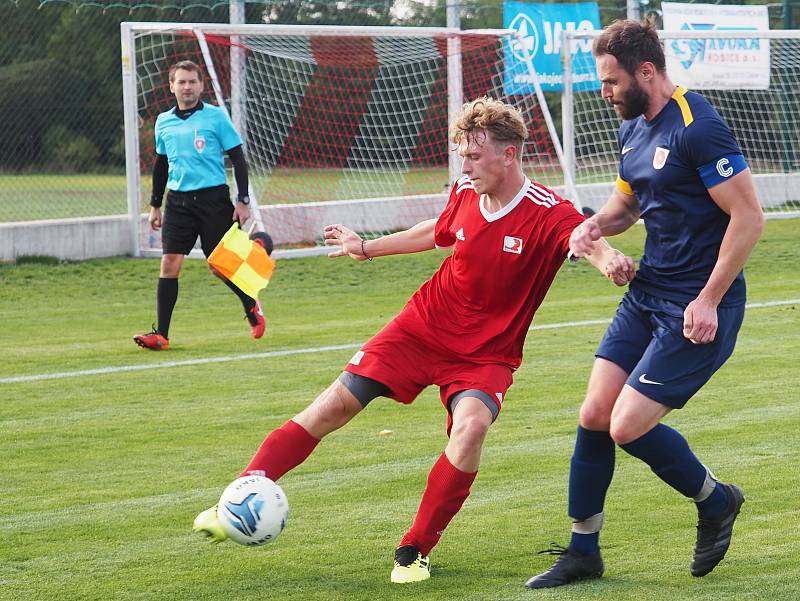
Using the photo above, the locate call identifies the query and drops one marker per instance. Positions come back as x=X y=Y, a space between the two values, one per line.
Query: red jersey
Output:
x=480 y=302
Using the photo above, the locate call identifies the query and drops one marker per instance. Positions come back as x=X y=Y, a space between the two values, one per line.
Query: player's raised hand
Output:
x=348 y=241
x=581 y=241
x=620 y=269
x=700 y=321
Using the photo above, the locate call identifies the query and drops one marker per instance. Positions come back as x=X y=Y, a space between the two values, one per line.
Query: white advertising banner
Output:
x=717 y=63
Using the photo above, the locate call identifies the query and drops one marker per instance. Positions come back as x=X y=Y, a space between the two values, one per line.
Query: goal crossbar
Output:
x=314 y=30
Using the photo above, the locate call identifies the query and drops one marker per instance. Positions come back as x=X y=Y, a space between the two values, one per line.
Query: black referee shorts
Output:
x=207 y=213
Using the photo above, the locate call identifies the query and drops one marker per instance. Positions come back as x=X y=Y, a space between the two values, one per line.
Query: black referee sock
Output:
x=247 y=302
x=166 y=295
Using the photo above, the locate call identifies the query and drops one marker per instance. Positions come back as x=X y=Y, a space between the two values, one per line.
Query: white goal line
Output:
x=288 y=352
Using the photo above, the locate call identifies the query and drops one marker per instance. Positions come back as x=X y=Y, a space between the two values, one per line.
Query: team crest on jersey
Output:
x=512 y=245
x=660 y=157
x=199 y=142
x=460 y=234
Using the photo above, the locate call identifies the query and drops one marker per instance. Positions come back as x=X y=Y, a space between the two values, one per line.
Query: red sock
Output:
x=447 y=489
x=284 y=449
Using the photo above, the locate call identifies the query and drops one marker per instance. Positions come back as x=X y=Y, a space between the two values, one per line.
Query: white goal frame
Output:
x=339 y=209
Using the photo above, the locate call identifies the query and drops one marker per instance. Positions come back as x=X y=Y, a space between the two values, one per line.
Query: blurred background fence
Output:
x=61 y=116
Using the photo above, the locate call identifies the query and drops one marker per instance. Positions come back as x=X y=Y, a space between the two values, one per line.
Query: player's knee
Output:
x=469 y=432
x=594 y=416
x=171 y=266
x=338 y=406
x=624 y=431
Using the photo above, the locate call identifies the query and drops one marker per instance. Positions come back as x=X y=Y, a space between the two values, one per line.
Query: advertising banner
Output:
x=717 y=63
x=541 y=27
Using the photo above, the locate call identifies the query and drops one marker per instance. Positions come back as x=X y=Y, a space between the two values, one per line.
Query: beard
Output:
x=634 y=102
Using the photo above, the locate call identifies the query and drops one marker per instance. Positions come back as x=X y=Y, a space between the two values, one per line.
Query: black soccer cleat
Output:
x=714 y=535
x=570 y=566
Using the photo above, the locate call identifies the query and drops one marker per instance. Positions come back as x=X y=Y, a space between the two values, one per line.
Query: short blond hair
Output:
x=501 y=121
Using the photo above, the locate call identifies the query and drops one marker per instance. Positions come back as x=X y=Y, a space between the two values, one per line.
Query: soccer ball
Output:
x=253 y=510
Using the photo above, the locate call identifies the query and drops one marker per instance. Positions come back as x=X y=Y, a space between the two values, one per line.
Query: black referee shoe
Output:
x=570 y=566
x=714 y=535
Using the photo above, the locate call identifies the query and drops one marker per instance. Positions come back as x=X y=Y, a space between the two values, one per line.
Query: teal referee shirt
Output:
x=195 y=147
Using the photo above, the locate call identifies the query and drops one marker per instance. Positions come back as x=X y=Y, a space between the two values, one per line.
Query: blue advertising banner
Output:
x=540 y=27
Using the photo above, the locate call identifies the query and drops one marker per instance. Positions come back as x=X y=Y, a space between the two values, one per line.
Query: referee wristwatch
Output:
x=245 y=200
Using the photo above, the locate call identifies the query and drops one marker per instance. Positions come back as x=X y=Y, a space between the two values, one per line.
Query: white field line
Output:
x=288 y=352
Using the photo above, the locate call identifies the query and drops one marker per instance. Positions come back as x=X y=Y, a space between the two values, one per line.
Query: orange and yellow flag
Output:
x=242 y=261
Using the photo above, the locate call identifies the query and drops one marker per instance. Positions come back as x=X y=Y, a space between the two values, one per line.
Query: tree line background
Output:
x=60 y=73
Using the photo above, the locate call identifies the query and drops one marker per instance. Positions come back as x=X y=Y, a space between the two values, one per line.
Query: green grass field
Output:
x=37 y=196
x=102 y=474
x=40 y=196
x=61 y=196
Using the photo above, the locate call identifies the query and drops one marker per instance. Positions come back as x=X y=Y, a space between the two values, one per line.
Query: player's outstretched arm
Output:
x=415 y=239
x=612 y=263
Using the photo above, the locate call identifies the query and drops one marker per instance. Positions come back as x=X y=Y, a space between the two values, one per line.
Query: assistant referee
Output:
x=191 y=139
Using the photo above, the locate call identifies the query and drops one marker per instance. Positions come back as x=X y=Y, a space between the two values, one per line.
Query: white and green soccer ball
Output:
x=253 y=510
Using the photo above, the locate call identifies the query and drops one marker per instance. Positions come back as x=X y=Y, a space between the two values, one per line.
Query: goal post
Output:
x=343 y=124
x=761 y=105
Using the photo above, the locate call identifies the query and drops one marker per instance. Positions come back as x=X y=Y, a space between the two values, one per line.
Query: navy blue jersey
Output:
x=669 y=163
x=194 y=147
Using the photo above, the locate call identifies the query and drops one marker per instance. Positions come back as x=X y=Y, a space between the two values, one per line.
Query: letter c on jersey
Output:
x=723 y=168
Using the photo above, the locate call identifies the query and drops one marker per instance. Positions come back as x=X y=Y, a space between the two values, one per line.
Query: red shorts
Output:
x=407 y=365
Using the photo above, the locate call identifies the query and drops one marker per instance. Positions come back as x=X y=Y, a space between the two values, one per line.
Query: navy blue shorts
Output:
x=646 y=339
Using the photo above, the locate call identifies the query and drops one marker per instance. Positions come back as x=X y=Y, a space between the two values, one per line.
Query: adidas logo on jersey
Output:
x=356 y=360
x=460 y=234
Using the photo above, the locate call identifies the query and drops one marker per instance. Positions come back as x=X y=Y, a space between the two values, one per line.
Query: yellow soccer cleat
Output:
x=207 y=523
x=410 y=565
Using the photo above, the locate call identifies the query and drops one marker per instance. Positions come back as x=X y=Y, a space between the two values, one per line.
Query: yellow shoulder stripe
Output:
x=679 y=96
x=624 y=186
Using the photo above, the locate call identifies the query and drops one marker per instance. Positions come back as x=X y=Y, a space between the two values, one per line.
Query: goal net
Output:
x=751 y=78
x=341 y=124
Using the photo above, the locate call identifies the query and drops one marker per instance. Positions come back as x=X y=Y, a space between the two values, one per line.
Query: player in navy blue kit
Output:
x=190 y=141
x=682 y=172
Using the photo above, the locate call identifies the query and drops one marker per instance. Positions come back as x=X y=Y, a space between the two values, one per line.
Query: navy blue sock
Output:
x=715 y=504
x=585 y=544
x=669 y=456
x=590 y=474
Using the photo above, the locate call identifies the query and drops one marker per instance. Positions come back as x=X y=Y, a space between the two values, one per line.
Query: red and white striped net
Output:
x=349 y=129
